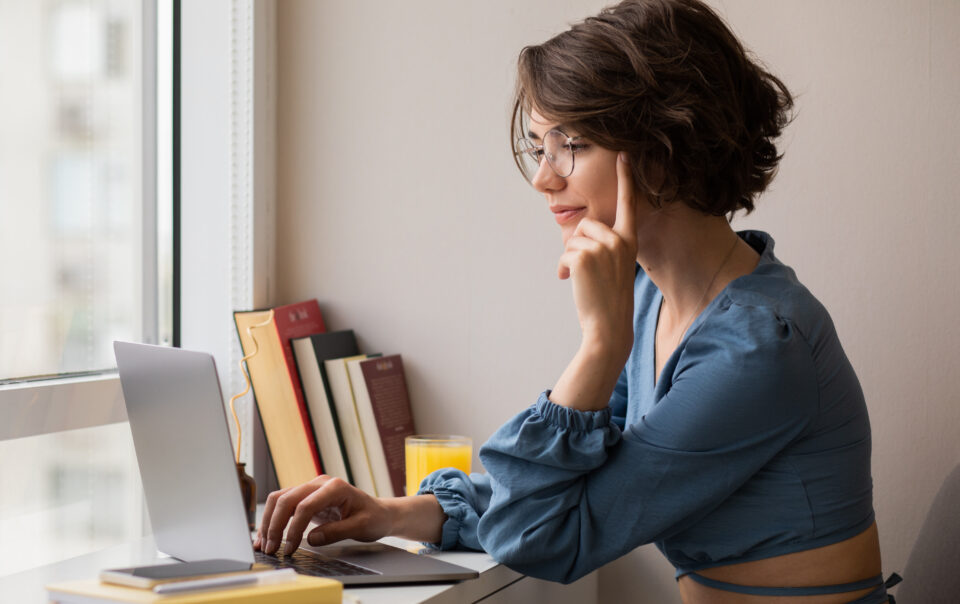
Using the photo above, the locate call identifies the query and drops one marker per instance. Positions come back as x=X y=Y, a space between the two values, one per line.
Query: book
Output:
x=342 y=391
x=277 y=390
x=304 y=590
x=383 y=408
x=262 y=577
x=311 y=352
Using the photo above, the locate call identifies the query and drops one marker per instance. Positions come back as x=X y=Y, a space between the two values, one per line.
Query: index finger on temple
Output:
x=625 y=222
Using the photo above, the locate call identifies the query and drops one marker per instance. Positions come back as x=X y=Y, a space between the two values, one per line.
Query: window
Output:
x=86 y=242
x=78 y=235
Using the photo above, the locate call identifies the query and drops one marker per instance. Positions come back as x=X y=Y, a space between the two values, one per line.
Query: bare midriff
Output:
x=851 y=560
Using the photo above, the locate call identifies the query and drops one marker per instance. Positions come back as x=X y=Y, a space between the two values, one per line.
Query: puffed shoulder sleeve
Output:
x=570 y=492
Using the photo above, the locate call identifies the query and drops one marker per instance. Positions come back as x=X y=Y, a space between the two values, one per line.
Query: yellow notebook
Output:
x=312 y=590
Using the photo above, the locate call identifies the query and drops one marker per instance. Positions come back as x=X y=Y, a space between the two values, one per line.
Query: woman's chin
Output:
x=567 y=231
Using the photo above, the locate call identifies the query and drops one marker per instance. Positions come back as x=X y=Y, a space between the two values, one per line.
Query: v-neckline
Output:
x=650 y=373
x=655 y=376
x=652 y=334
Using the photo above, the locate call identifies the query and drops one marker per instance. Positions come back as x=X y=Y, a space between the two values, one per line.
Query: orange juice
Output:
x=429 y=452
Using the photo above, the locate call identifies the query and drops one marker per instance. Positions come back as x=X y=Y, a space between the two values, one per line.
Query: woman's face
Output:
x=589 y=191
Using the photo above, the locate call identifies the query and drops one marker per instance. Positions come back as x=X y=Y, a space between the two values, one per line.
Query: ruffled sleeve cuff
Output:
x=463 y=499
x=570 y=419
x=544 y=443
x=547 y=443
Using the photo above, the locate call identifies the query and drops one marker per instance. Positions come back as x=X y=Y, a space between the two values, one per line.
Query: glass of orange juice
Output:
x=428 y=452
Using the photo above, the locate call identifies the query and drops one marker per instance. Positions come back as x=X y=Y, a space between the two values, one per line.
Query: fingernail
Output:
x=256 y=541
x=271 y=546
x=622 y=156
x=289 y=548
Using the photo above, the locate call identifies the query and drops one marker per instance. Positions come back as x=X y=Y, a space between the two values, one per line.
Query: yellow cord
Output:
x=246 y=377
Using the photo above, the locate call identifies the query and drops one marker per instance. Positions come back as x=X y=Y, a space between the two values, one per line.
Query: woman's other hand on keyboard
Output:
x=360 y=516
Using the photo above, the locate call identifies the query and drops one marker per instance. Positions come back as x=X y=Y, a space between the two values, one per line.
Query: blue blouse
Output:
x=754 y=442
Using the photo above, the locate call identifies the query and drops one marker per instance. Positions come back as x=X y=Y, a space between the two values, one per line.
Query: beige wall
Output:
x=399 y=208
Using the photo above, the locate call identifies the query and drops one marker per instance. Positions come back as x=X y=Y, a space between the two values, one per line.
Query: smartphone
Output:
x=147 y=577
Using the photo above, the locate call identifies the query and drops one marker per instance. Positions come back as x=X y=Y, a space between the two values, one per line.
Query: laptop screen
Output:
x=184 y=452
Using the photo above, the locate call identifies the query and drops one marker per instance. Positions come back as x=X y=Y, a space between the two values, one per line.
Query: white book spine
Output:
x=371 y=432
x=350 y=424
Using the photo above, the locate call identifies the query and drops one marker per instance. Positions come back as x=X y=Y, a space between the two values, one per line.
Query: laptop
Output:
x=189 y=476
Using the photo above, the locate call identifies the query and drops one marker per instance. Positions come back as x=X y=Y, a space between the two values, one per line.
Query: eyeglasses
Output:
x=557 y=147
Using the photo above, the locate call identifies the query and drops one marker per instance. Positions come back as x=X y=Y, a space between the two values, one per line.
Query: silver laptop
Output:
x=186 y=461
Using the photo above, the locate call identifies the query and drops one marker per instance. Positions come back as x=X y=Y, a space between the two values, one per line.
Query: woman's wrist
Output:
x=588 y=381
x=416 y=517
x=606 y=347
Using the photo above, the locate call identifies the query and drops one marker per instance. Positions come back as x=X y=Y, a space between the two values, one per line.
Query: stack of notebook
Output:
x=260 y=587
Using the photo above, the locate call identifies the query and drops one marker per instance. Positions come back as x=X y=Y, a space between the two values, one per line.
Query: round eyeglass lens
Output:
x=556 y=147
x=527 y=156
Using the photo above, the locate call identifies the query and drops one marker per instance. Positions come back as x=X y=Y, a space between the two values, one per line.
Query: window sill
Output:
x=33 y=408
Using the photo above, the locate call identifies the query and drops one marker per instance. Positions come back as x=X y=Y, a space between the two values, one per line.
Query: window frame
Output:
x=227 y=190
x=33 y=408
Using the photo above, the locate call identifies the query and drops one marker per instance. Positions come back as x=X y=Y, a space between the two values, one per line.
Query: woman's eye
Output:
x=574 y=147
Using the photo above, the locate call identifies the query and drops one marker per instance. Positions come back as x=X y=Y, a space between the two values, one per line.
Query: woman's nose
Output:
x=545 y=179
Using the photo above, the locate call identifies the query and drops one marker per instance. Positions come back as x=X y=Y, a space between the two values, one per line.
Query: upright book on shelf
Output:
x=342 y=390
x=277 y=389
x=311 y=352
x=383 y=408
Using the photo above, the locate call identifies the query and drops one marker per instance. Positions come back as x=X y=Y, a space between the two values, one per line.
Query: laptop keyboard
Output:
x=308 y=563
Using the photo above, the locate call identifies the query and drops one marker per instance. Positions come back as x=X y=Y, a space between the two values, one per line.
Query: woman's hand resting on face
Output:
x=601 y=262
x=342 y=510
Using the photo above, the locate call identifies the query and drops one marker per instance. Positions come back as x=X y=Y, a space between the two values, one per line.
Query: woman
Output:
x=710 y=408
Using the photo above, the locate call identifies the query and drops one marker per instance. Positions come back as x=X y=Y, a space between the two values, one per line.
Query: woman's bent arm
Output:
x=571 y=493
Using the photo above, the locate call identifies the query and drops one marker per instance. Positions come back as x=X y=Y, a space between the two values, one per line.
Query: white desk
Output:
x=496 y=584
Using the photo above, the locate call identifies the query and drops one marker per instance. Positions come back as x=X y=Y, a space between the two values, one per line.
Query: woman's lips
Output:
x=563 y=215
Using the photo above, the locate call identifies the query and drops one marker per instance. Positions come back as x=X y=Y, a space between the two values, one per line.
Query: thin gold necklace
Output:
x=696 y=308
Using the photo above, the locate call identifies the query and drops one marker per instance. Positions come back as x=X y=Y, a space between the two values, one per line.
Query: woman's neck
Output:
x=691 y=258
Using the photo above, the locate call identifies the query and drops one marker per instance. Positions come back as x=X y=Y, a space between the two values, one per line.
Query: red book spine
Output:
x=296 y=321
x=387 y=386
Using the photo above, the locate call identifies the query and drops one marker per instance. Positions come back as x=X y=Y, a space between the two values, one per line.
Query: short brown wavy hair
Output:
x=667 y=82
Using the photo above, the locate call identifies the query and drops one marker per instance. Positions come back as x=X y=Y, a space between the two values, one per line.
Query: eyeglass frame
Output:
x=532 y=147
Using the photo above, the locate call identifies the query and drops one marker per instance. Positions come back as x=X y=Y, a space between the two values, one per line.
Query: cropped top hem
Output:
x=875 y=582
x=783 y=548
